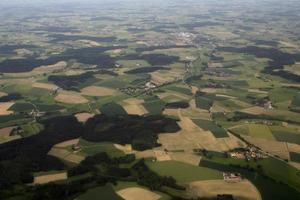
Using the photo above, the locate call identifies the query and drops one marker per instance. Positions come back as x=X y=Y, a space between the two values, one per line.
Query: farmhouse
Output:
x=232 y=177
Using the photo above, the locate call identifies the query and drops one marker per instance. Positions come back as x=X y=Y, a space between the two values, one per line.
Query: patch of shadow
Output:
x=146 y=70
x=152 y=48
x=153 y=59
x=141 y=132
x=62 y=37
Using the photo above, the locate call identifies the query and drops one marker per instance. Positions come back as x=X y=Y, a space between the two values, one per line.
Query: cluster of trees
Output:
x=20 y=158
x=153 y=59
x=177 y=104
x=146 y=70
x=140 y=131
x=70 y=82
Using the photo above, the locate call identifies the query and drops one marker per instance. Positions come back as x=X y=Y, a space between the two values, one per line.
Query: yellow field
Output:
x=50 y=68
x=50 y=178
x=243 y=190
x=70 y=98
x=4 y=106
x=159 y=77
x=47 y=86
x=2 y=94
x=67 y=143
x=188 y=158
x=98 y=91
x=136 y=193
x=192 y=137
x=134 y=106
x=83 y=117
x=60 y=151
x=255 y=110
x=127 y=148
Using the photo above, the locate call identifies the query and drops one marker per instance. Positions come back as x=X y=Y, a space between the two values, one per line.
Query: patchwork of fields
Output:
x=150 y=100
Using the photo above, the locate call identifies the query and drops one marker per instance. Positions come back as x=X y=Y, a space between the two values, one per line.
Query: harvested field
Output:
x=275 y=148
x=134 y=106
x=255 y=110
x=293 y=147
x=5 y=132
x=161 y=155
x=5 y=135
x=145 y=154
x=4 y=108
x=257 y=91
x=74 y=158
x=47 y=86
x=64 y=154
x=50 y=178
x=98 y=91
x=117 y=51
x=209 y=90
x=127 y=148
x=171 y=112
x=2 y=94
x=49 y=68
x=134 y=101
x=58 y=152
x=192 y=137
x=67 y=143
x=211 y=188
x=70 y=98
x=160 y=78
x=83 y=117
x=136 y=193
x=188 y=158
x=135 y=109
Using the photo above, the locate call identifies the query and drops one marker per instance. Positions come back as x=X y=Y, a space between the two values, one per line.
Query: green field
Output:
x=183 y=172
x=203 y=103
x=260 y=131
x=211 y=126
x=92 y=148
x=104 y=192
x=154 y=106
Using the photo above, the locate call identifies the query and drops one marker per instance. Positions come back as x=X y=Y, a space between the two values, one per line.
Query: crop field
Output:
x=83 y=117
x=135 y=193
x=255 y=130
x=91 y=148
x=46 y=86
x=134 y=106
x=4 y=108
x=211 y=126
x=98 y=91
x=70 y=98
x=136 y=99
x=192 y=173
x=43 y=179
x=211 y=188
x=106 y=192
